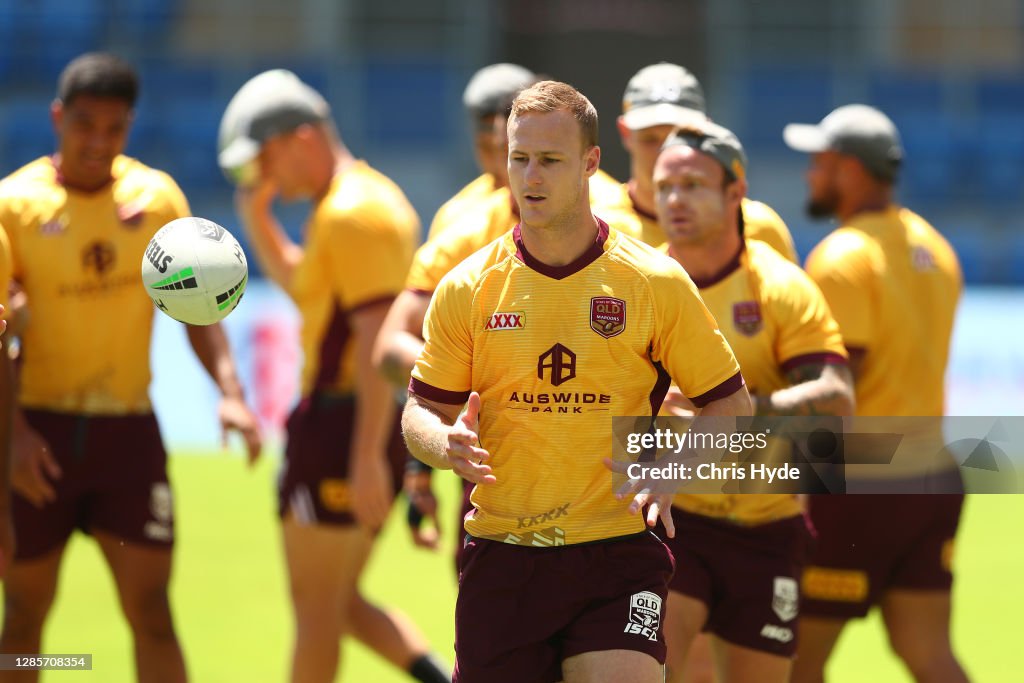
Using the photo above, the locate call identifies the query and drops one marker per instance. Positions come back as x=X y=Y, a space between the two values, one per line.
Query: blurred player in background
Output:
x=658 y=98
x=87 y=446
x=486 y=100
x=344 y=455
x=739 y=558
x=893 y=283
x=557 y=571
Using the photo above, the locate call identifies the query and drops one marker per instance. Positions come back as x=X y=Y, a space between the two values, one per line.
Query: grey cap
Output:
x=854 y=129
x=662 y=94
x=492 y=88
x=270 y=103
x=715 y=141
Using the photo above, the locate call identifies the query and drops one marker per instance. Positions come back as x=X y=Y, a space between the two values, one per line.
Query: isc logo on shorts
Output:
x=644 y=615
x=779 y=633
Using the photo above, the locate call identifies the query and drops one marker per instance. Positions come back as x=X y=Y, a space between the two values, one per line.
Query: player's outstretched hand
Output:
x=235 y=416
x=423 y=525
x=34 y=467
x=467 y=459
x=370 y=487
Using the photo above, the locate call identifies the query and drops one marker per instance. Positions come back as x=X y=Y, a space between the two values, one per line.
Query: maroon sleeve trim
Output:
x=384 y=299
x=726 y=388
x=826 y=357
x=432 y=393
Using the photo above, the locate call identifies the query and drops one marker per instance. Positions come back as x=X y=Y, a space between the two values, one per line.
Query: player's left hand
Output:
x=236 y=416
x=370 y=487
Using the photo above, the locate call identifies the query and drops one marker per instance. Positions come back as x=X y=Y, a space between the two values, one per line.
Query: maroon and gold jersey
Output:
x=892 y=282
x=358 y=246
x=6 y=268
x=555 y=353
x=775 y=318
x=476 y=191
x=77 y=256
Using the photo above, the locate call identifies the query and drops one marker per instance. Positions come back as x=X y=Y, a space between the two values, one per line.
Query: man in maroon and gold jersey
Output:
x=893 y=283
x=344 y=456
x=658 y=98
x=544 y=335
x=739 y=558
x=87 y=446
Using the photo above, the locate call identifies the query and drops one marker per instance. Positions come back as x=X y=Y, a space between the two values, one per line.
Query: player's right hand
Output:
x=258 y=198
x=426 y=532
x=34 y=467
x=464 y=453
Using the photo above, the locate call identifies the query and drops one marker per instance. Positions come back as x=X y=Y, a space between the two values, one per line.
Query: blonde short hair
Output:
x=549 y=96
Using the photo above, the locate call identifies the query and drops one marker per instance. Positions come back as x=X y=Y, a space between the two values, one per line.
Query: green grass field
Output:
x=231 y=608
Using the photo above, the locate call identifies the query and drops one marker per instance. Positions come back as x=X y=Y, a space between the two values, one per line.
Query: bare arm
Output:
x=212 y=349
x=375 y=411
x=277 y=254
x=736 y=404
x=815 y=389
x=400 y=340
x=437 y=435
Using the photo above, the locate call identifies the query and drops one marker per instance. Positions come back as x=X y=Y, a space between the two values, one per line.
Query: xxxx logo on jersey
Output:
x=506 y=321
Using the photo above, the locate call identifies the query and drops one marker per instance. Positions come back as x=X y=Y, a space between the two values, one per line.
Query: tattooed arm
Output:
x=815 y=389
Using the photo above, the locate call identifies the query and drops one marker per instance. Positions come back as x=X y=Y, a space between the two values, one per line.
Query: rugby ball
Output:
x=194 y=271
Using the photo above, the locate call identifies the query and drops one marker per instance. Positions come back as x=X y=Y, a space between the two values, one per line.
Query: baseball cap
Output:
x=662 y=94
x=715 y=141
x=270 y=103
x=854 y=129
x=492 y=88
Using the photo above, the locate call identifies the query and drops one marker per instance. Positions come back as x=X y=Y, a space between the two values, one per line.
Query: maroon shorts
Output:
x=114 y=480
x=868 y=544
x=748 y=576
x=465 y=507
x=522 y=610
x=313 y=484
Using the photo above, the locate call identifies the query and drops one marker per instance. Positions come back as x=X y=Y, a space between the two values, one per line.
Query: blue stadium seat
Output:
x=168 y=79
x=1000 y=94
x=999 y=161
x=26 y=132
x=780 y=94
x=980 y=263
x=898 y=92
x=63 y=30
x=394 y=89
x=188 y=132
x=932 y=167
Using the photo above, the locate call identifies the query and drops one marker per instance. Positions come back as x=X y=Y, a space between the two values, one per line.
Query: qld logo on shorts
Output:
x=506 y=321
x=746 y=316
x=785 y=598
x=644 y=615
x=607 y=316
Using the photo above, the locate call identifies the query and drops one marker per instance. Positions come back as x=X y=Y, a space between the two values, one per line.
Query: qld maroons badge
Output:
x=746 y=316
x=607 y=316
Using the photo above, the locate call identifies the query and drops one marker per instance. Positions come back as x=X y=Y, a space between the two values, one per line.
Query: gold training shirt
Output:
x=358 y=245
x=775 y=318
x=6 y=268
x=892 y=282
x=77 y=254
x=555 y=353
x=476 y=191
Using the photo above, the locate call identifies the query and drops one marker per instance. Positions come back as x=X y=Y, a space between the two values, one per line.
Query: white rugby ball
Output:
x=194 y=271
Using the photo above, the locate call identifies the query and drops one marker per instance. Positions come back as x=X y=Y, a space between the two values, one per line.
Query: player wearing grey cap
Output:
x=739 y=558
x=344 y=454
x=892 y=283
x=658 y=98
x=486 y=98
